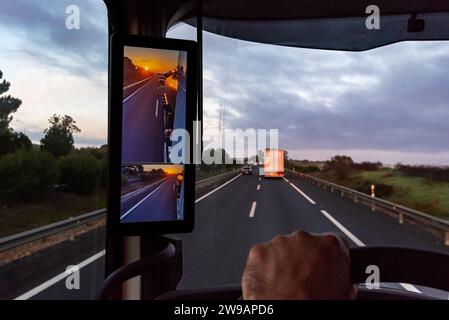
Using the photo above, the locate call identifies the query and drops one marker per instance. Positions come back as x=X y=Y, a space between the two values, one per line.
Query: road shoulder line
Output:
x=135 y=92
x=217 y=188
x=302 y=193
x=348 y=233
x=31 y=293
x=140 y=202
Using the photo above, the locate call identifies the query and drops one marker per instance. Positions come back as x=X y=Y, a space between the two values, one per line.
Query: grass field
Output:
x=417 y=193
x=22 y=216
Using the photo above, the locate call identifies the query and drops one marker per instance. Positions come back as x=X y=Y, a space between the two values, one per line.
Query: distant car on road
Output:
x=247 y=170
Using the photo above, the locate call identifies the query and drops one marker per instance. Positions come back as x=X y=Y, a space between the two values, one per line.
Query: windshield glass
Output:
x=365 y=150
x=347 y=142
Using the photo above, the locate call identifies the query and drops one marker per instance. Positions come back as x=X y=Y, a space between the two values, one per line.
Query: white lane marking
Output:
x=132 y=95
x=286 y=179
x=303 y=194
x=217 y=188
x=260 y=178
x=258 y=187
x=140 y=202
x=59 y=277
x=136 y=83
x=156 y=112
x=410 y=287
x=343 y=229
x=358 y=242
x=139 y=190
x=253 y=209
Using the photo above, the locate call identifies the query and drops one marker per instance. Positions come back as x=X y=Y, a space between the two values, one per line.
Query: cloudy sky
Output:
x=389 y=104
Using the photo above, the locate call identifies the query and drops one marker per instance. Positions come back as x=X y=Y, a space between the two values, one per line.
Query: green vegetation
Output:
x=58 y=138
x=422 y=188
x=50 y=182
x=10 y=141
x=414 y=192
x=27 y=175
x=79 y=172
x=202 y=174
x=204 y=170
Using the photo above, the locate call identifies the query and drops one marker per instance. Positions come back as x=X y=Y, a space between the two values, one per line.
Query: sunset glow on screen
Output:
x=153 y=60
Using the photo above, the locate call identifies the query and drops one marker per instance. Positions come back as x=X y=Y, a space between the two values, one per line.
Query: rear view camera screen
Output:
x=154 y=104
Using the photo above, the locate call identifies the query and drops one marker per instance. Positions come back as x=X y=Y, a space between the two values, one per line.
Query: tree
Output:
x=10 y=141
x=58 y=138
x=287 y=163
x=8 y=105
x=341 y=165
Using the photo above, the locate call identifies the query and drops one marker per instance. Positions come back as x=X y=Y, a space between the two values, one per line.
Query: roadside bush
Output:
x=79 y=172
x=103 y=173
x=341 y=165
x=27 y=175
x=307 y=169
x=429 y=172
x=97 y=153
x=367 y=166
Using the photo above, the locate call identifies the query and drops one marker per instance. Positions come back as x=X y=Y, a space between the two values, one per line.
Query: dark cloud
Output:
x=41 y=27
x=392 y=98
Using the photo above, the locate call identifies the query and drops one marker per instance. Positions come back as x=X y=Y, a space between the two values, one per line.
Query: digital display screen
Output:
x=154 y=104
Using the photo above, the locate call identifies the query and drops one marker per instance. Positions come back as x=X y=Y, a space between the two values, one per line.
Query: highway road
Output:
x=143 y=124
x=154 y=202
x=250 y=210
x=247 y=210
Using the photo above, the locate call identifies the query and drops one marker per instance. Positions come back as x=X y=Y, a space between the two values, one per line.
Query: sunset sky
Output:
x=153 y=60
x=168 y=168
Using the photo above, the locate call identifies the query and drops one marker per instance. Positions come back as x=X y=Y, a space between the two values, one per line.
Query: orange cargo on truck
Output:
x=273 y=163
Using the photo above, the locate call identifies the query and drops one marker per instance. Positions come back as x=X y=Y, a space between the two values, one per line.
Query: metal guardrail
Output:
x=401 y=211
x=49 y=229
x=57 y=227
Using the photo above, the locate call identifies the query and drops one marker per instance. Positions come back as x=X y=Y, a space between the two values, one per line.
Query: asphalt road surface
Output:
x=143 y=124
x=154 y=202
x=250 y=210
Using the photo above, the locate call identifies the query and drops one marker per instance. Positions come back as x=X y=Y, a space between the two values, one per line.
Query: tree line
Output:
x=30 y=172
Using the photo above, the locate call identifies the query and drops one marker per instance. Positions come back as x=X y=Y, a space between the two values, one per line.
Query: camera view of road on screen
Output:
x=154 y=89
x=151 y=193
